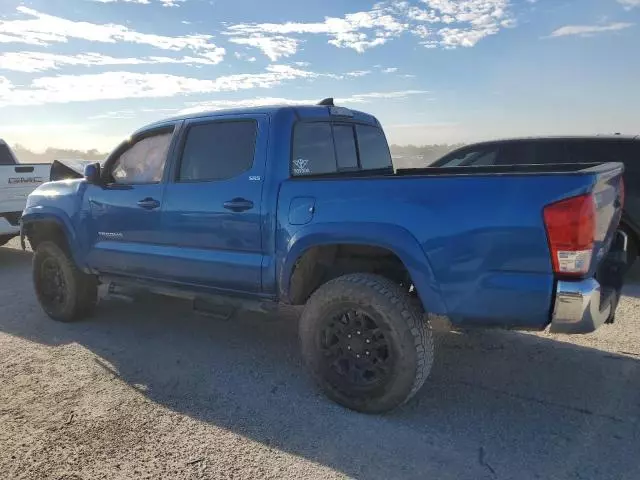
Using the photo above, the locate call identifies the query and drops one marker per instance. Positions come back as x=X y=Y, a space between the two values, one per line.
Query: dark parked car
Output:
x=614 y=148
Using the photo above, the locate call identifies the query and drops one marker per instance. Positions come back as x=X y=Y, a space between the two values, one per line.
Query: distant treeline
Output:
x=24 y=155
x=404 y=155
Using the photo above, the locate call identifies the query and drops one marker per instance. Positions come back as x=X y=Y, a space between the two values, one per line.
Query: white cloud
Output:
x=5 y=86
x=44 y=30
x=244 y=56
x=164 y=3
x=367 y=97
x=588 y=30
x=390 y=70
x=359 y=31
x=467 y=21
x=127 y=114
x=121 y=85
x=358 y=73
x=273 y=47
x=463 y=23
x=114 y=115
x=629 y=3
x=31 y=62
x=264 y=101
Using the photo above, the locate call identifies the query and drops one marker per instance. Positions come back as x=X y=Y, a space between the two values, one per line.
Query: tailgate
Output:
x=17 y=182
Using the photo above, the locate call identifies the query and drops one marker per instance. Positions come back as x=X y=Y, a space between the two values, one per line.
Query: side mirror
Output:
x=92 y=173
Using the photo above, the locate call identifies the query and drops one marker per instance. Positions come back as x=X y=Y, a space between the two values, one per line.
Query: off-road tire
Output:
x=406 y=330
x=80 y=290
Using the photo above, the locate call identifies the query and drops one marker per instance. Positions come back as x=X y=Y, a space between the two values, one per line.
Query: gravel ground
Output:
x=150 y=390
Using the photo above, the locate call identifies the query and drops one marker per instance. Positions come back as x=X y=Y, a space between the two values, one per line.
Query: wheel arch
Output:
x=48 y=225
x=390 y=238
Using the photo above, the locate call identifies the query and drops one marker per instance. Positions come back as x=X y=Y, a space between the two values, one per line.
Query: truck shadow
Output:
x=496 y=402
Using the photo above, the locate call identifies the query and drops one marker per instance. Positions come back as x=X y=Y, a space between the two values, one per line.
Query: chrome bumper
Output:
x=577 y=308
x=580 y=306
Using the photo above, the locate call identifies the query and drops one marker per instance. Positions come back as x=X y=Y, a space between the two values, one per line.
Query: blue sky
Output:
x=85 y=73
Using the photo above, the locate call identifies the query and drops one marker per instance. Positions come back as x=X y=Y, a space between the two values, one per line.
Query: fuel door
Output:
x=301 y=210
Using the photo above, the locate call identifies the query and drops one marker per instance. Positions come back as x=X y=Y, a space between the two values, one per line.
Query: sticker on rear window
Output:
x=301 y=166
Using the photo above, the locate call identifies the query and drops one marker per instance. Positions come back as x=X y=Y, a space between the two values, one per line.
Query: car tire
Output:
x=65 y=293
x=367 y=345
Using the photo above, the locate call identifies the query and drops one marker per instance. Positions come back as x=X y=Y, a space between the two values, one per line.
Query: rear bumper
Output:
x=583 y=306
x=579 y=307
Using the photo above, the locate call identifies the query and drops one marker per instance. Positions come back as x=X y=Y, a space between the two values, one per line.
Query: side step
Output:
x=211 y=308
x=218 y=306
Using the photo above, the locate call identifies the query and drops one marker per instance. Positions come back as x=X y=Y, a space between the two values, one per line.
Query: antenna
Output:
x=327 y=102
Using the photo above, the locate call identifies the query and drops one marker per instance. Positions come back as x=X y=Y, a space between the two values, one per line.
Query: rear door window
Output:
x=218 y=150
x=485 y=158
x=313 y=151
x=551 y=152
x=458 y=158
x=516 y=153
x=473 y=156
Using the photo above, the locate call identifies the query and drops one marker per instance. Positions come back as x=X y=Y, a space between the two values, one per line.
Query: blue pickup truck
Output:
x=301 y=205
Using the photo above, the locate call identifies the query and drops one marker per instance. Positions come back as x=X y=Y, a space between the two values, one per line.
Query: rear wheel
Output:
x=65 y=293
x=368 y=346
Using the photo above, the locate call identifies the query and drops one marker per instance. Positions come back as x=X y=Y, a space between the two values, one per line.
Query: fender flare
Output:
x=49 y=214
x=391 y=237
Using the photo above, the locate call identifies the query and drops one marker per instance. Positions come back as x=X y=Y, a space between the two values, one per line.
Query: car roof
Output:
x=302 y=109
x=559 y=138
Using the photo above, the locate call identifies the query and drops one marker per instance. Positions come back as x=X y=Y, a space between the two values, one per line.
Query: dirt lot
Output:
x=150 y=390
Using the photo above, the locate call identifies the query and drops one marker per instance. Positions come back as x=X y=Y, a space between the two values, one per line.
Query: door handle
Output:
x=238 y=204
x=149 y=203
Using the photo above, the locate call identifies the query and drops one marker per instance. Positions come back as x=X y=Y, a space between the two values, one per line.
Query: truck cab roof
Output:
x=301 y=111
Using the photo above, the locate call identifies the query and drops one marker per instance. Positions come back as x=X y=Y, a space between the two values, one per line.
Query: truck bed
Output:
x=521 y=169
x=489 y=170
x=481 y=229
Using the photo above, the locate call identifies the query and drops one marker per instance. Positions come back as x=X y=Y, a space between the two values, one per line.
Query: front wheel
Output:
x=65 y=293
x=368 y=346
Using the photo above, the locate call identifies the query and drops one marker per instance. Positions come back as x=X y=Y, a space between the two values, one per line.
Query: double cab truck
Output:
x=17 y=181
x=301 y=205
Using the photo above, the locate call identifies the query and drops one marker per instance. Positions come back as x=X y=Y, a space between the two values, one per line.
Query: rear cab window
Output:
x=325 y=147
x=6 y=157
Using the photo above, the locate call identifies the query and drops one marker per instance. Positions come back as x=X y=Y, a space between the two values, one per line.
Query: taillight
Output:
x=622 y=193
x=571 y=226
